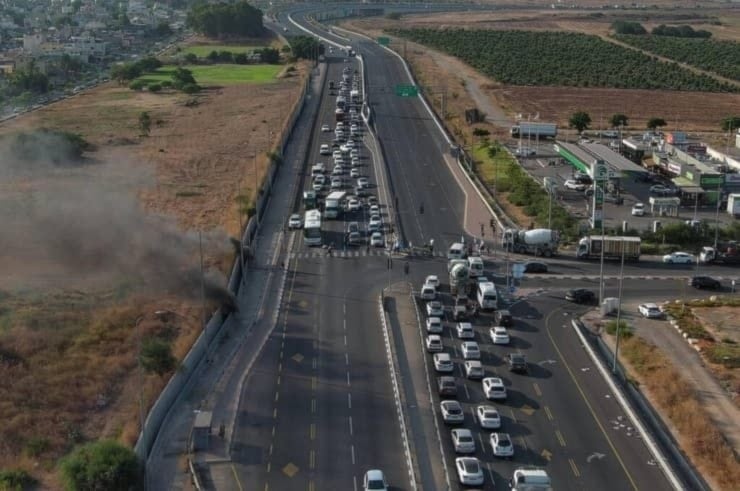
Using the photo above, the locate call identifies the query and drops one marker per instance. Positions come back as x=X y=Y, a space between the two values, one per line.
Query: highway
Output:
x=318 y=408
x=557 y=414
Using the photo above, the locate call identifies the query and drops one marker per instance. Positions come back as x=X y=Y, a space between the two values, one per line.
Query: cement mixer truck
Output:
x=459 y=276
x=539 y=241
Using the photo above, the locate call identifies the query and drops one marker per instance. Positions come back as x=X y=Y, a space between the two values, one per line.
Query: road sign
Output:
x=407 y=90
x=384 y=41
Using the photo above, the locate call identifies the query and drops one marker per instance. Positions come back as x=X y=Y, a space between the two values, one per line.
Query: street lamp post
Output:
x=549 y=209
x=619 y=311
x=716 y=215
x=603 y=245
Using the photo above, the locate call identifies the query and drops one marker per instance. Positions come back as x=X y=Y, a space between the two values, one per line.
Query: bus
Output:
x=487 y=296
x=312 y=228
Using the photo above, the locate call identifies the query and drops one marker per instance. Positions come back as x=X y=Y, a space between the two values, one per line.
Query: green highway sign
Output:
x=407 y=90
x=384 y=41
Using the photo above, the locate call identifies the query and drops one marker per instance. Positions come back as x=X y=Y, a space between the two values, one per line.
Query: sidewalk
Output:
x=217 y=385
x=719 y=405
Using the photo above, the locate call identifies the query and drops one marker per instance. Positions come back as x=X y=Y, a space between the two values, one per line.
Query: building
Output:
x=698 y=182
x=87 y=48
x=32 y=43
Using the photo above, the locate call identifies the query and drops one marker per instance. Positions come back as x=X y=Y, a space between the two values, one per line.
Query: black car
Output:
x=503 y=318
x=705 y=282
x=447 y=387
x=535 y=267
x=580 y=295
x=517 y=363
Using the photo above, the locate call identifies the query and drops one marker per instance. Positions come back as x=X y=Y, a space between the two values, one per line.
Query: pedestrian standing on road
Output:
x=406 y=267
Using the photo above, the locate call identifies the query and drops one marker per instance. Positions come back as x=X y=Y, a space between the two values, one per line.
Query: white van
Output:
x=487 y=296
x=525 y=479
x=317 y=170
x=475 y=266
x=457 y=251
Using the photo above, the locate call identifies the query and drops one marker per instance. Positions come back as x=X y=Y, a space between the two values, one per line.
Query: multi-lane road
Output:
x=318 y=406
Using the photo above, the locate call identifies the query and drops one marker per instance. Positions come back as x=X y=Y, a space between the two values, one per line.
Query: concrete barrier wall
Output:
x=180 y=380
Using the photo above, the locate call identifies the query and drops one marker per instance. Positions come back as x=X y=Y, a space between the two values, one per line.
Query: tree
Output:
x=145 y=123
x=156 y=356
x=269 y=55
x=731 y=123
x=241 y=59
x=155 y=88
x=191 y=58
x=481 y=133
x=618 y=120
x=226 y=19
x=182 y=77
x=654 y=123
x=104 y=464
x=580 y=121
x=163 y=29
x=304 y=47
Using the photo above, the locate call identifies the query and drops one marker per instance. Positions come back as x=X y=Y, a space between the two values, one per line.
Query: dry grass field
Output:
x=92 y=247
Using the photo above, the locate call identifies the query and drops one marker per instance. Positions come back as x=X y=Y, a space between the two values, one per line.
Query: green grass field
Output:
x=222 y=74
x=201 y=51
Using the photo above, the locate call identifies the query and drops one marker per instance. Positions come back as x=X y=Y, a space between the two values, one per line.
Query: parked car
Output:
x=432 y=280
x=574 y=185
x=679 y=258
x=638 y=210
x=650 y=310
x=325 y=128
x=708 y=282
x=517 y=363
x=580 y=295
x=535 y=267
x=452 y=412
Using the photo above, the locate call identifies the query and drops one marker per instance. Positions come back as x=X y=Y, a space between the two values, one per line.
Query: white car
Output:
x=474 y=369
x=574 y=185
x=374 y=209
x=434 y=343
x=324 y=149
x=488 y=417
x=434 y=325
x=355 y=162
x=376 y=239
x=354 y=173
x=493 y=388
x=462 y=440
x=295 y=221
x=502 y=445
x=336 y=183
x=470 y=350
x=452 y=412
x=363 y=182
x=374 y=224
x=650 y=310
x=374 y=481
x=428 y=292
x=354 y=205
x=465 y=330
x=325 y=128
x=679 y=258
x=338 y=170
x=337 y=154
x=638 y=210
x=435 y=309
x=499 y=335
x=469 y=471
x=432 y=280
x=351 y=144
x=525 y=152
x=354 y=154
x=443 y=363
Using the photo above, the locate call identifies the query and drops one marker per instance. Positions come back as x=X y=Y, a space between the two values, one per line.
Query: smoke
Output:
x=77 y=222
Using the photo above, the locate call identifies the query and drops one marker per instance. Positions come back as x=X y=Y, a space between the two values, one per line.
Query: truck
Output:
x=530 y=479
x=534 y=130
x=339 y=114
x=334 y=204
x=733 y=205
x=538 y=241
x=459 y=276
x=725 y=253
x=590 y=247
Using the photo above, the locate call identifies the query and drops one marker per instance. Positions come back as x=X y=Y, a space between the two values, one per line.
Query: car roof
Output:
x=650 y=305
x=374 y=474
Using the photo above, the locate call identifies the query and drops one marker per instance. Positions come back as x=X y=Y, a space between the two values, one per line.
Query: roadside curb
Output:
x=397 y=394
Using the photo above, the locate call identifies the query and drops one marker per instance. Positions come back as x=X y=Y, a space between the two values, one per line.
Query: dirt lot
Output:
x=92 y=249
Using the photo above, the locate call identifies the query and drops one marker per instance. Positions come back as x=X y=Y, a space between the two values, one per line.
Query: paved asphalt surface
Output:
x=318 y=408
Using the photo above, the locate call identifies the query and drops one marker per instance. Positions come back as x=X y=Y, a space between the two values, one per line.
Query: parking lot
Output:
x=547 y=163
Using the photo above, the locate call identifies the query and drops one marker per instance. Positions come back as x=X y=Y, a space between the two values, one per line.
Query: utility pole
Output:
x=203 y=293
x=716 y=215
x=619 y=310
x=603 y=246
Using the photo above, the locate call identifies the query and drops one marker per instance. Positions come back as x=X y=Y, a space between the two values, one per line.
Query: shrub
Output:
x=724 y=353
x=137 y=85
x=191 y=88
x=15 y=480
x=155 y=88
x=104 y=464
x=156 y=356
x=625 y=330
x=35 y=446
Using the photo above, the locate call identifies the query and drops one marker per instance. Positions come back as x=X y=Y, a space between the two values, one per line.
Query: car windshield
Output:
x=471 y=466
x=465 y=438
x=503 y=442
x=375 y=484
x=490 y=415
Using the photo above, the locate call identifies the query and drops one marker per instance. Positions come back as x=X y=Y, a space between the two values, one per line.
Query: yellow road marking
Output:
x=269 y=466
x=267 y=486
x=278 y=380
x=274 y=413
x=312 y=460
x=311 y=486
x=313 y=405
x=290 y=469
x=574 y=467
x=560 y=438
x=314 y=381
x=236 y=478
x=546 y=454
x=277 y=396
x=313 y=431
x=585 y=399
x=548 y=413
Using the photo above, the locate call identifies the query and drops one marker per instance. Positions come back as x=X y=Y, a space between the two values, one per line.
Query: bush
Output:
x=726 y=353
x=166 y=84
x=35 y=446
x=105 y=464
x=156 y=356
x=137 y=85
x=155 y=88
x=191 y=88
x=625 y=330
x=15 y=480
x=241 y=59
